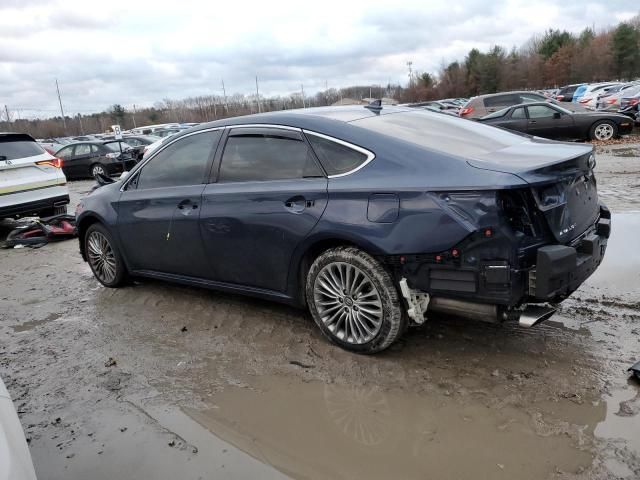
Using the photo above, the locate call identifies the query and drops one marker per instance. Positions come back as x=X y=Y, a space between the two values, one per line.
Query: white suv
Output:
x=31 y=180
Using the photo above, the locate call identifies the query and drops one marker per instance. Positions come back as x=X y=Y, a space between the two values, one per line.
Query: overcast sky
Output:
x=139 y=52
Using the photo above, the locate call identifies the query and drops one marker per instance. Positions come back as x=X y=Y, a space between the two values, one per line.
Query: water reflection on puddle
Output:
x=315 y=430
x=620 y=269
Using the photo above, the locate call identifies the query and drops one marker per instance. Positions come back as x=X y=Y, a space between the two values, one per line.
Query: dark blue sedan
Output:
x=370 y=217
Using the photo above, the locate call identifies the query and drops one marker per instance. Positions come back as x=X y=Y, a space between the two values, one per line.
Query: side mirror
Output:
x=557 y=115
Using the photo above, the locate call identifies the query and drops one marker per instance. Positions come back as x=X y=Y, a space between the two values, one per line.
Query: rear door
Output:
x=270 y=192
x=160 y=206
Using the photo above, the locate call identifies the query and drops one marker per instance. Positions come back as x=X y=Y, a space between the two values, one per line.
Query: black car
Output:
x=88 y=159
x=372 y=217
x=552 y=121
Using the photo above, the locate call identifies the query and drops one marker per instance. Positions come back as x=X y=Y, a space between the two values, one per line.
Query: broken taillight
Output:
x=466 y=111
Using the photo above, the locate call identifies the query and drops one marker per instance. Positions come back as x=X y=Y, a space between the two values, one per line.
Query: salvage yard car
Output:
x=371 y=217
x=31 y=179
x=553 y=121
x=89 y=159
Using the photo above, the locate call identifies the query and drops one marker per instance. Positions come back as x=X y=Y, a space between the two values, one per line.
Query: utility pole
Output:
x=258 y=95
x=64 y=122
x=302 y=89
x=409 y=64
x=6 y=110
x=80 y=122
x=224 y=92
x=133 y=116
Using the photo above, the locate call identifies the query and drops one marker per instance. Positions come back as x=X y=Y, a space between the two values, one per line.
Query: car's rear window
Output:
x=445 y=133
x=13 y=150
x=501 y=100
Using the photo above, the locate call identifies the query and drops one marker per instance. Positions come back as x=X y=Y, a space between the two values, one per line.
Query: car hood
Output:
x=536 y=160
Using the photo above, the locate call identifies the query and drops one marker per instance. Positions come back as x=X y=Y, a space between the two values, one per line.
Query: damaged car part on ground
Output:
x=371 y=217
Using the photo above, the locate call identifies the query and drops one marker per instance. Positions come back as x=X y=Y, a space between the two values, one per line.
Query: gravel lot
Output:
x=158 y=381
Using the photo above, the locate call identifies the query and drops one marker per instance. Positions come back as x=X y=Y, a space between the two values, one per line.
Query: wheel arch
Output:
x=311 y=250
x=82 y=226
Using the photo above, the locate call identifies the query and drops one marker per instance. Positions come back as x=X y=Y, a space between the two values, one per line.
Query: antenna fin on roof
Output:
x=375 y=106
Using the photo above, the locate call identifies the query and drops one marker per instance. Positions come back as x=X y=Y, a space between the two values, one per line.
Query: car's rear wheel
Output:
x=603 y=130
x=354 y=301
x=103 y=256
x=97 y=169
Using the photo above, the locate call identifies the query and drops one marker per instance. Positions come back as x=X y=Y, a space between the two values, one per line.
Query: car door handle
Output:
x=297 y=204
x=532 y=121
x=186 y=207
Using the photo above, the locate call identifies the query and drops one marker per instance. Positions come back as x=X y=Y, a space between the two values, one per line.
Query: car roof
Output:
x=508 y=93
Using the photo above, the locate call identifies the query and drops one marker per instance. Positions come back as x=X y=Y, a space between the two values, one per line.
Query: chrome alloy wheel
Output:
x=603 y=131
x=101 y=257
x=348 y=303
x=98 y=170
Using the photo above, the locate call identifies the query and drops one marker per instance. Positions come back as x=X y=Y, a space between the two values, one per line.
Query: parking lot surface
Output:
x=163 y=381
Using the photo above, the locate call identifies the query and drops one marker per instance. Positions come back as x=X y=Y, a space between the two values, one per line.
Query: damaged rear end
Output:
x=528 y=247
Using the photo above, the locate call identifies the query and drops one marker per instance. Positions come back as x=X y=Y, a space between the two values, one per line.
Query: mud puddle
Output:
x=316 y=430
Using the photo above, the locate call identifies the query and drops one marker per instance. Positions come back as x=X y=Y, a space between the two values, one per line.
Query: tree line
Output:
x=549 y=60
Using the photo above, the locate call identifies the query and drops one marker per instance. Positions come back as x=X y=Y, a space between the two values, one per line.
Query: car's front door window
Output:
x=184 y=162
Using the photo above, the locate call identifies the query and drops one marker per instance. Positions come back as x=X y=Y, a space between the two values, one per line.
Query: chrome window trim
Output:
x=161 y=148
x=369 y=154
x=265 y=125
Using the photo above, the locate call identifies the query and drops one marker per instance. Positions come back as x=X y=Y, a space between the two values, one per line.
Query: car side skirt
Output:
x=219 y=286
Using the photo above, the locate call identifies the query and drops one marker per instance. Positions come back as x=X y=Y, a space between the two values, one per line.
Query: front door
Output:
x=270 y=192
x=159 y=209
x=547 y=122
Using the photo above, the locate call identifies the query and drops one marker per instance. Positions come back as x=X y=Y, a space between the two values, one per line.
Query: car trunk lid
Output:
x=561 y=179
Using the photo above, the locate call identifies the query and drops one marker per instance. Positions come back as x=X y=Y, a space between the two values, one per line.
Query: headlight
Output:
x=592 y=162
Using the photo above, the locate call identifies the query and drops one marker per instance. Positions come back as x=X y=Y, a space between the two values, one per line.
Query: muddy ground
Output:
x=158 y=381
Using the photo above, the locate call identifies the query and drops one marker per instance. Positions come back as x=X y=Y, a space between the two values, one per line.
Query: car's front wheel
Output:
x=603 y=130
x=354 y=301
x=103 y=256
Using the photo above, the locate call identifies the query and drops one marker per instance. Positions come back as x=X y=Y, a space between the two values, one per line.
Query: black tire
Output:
x=612 y=127
x=95 y=169
x=120 y=275
x=392 y=319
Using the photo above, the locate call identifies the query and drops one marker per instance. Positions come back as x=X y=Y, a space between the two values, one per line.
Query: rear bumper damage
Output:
x=495 y=291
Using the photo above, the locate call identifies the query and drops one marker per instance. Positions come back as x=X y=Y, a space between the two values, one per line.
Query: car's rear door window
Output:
x=336 y=158
x=184 y=162
x=251 y=157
